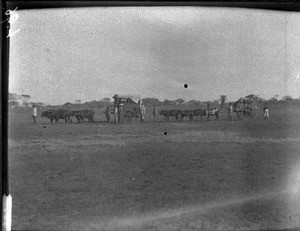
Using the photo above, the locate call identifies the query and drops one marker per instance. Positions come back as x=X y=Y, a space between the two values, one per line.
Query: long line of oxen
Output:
x=68 y=115
x=175 y=115
x=178 y=115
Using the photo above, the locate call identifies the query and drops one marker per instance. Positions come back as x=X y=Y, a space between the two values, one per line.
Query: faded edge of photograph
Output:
x=151 y=117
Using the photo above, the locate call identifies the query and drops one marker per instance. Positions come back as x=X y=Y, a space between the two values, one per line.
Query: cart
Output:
x=246 y=108
x=131 y=105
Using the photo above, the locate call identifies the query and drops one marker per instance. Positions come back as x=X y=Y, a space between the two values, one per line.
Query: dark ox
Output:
x=198 y=112
x=48 y=114
x=170 y=113
x=57 y=115
x=185 y=113
x=83 y=114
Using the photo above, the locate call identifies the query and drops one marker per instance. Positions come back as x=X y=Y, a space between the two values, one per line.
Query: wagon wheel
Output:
x=239 y=114
x=248 y=113
x=137 y=116
x=128 y=114
x=254 y=113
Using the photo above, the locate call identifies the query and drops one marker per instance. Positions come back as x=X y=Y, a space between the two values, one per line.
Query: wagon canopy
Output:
x=128 y=98
x=246 y=100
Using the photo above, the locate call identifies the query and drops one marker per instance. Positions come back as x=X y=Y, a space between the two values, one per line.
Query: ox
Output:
x=198 y=112
x=57 y=115
x=213 y=112
x=187 y=113
x=170 y=113
x=83 y=114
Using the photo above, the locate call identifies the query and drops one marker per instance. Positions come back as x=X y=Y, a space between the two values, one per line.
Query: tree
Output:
x=68 y=104
x=254 y=97
x=179 y=101
x=207 y=104
x=274 y=98
x=287 y=98
x=106 y=99
x=193 y=103
x=222 y=99
x=151 y=101
x=167 y=102
x=13 y=103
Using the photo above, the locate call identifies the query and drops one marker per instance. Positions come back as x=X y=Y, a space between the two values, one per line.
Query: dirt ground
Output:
x=210 y=175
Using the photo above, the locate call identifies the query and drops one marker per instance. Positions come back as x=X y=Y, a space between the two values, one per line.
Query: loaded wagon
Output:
x=131 y=105
x=246 y=108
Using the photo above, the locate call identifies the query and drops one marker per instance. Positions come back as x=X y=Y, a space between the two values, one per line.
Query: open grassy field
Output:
x=210 y=175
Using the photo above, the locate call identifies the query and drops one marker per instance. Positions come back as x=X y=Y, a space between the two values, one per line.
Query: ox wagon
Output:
x=131 y=105
x=246 y=108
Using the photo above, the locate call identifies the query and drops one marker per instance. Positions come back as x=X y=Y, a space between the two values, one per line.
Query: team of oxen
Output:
x=174 y=115
x=178 y=115
x=68 y=115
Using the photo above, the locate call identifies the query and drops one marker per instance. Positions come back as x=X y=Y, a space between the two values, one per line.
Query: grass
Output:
x=210 y=175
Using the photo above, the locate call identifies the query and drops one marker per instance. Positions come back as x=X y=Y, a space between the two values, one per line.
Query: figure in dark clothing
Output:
x=155 y=112
x=121 y=113
x=107 y=114
x=266 y=111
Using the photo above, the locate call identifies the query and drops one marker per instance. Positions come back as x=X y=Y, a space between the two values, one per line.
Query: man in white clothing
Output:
x=34 y=114
x=143 y=113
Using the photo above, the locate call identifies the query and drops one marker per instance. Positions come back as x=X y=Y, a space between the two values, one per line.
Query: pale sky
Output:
x=62 y=55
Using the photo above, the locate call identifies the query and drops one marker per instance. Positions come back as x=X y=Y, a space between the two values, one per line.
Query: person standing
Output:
x=116 y=114
x=266 y=111
x=230 y=111
x=34 y=114
x=143 y=113
x=121 y=113
x=107 y=114
x=155 y=112
x=207 y=110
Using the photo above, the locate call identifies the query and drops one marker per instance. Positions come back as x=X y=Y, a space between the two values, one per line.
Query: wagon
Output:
x=131 y=105
x=246 y=108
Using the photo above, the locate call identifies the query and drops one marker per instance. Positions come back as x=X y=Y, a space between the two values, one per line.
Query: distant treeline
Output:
x=178 y=103
x=150 y=102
